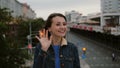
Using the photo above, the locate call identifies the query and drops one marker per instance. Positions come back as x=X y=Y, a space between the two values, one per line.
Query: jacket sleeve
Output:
x=76 y=56
x=39 y=57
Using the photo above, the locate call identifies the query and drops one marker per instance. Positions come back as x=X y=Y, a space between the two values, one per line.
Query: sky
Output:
x=43 y=8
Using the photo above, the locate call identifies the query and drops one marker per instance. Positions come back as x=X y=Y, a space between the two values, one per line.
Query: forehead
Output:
x=58 y=19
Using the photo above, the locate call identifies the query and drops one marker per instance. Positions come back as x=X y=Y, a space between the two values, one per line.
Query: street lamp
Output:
x=29 y=37
x=30 y=30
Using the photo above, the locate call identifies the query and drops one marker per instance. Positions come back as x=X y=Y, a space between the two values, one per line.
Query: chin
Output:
x=61 y=35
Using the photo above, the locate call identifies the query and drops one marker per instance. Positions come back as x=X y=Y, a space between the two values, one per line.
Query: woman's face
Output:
x=58 y=27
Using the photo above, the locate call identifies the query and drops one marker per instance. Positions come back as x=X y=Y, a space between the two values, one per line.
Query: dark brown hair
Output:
x=50 y=17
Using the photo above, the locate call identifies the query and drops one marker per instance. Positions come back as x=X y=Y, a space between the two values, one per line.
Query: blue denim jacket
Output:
x=69 y=57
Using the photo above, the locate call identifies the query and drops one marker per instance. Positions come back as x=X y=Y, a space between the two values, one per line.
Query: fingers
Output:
x=51 y=38
x=43 y=33
x=37 y=37
x=46 y=35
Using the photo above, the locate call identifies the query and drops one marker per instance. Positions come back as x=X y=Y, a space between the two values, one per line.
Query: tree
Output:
x=5 y=15
x=11 y=54
x=37 y=25
x=24 y=27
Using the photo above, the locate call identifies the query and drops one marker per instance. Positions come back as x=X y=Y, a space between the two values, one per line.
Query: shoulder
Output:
x=72 y=45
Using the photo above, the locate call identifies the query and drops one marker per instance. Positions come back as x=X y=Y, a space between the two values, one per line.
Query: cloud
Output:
x=45 y=4
x=45 y=7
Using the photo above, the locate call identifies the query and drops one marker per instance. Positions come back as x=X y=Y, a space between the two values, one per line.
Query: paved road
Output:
x=97 y=55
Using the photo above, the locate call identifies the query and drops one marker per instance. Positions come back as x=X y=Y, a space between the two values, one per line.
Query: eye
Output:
x=58 y=24
x=64 y=23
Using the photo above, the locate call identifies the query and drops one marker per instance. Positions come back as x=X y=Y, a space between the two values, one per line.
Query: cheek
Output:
x=66 y=28
x=53 y=30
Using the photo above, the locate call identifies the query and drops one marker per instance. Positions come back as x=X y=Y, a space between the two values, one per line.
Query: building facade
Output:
x=110 y=6
x=18 y=9
x=110 y=13
x=73 y=16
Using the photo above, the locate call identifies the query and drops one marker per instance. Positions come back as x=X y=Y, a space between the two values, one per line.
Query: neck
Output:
x=56 y=40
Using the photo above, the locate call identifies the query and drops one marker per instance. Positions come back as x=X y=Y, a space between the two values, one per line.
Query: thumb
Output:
x=51 y=38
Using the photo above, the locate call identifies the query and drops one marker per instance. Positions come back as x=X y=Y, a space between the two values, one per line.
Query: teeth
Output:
x=62 y=31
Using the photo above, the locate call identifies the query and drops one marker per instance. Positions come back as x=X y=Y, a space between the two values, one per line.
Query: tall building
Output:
x=18 y=9
x=110 y=12
x=110 y=6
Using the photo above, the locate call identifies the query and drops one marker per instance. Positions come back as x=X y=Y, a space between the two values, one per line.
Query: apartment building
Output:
x=110 y=12
x=18 y=9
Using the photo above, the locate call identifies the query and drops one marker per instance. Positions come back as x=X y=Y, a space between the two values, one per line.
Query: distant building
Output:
x=83 y=19
x=18 y=9
x=110 y=6
x=94 y=17
x=28 y=12
x=73 y=16
x=110 y=13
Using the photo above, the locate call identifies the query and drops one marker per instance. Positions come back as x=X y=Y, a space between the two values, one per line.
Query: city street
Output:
x=97 y=55
x=93 y=26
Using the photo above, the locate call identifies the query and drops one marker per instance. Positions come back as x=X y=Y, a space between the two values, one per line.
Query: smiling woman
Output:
x=54 y=51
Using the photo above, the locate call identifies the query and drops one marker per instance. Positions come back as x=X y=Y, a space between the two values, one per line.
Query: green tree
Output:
x=5 y=15
x=11 y=54
x=24 y=27
x=37 y=25
x=3 y=45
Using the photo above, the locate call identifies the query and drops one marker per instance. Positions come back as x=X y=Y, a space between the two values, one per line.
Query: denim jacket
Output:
x=69 y=57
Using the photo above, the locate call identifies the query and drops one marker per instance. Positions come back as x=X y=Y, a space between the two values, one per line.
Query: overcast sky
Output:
x=43 y=8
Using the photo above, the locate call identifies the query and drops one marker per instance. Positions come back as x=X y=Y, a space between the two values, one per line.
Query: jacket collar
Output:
x=64 y=42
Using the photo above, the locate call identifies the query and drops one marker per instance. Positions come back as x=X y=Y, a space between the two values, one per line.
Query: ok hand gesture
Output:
x=44 y=40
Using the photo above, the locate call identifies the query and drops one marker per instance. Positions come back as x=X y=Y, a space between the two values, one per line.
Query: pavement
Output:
x=83 y=63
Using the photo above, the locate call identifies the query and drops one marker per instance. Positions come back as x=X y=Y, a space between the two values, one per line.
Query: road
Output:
x=97 y=55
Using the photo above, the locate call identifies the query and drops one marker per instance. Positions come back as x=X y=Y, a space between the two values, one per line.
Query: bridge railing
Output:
x=109 y=30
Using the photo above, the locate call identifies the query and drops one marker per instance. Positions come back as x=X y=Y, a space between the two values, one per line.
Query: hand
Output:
x=44 y=40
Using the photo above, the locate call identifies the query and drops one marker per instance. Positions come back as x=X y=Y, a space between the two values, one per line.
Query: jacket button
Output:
x=62 y=64
x=61 y=55
x=44 y=54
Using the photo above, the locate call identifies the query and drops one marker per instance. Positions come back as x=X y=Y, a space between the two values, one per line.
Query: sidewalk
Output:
x=83 y=63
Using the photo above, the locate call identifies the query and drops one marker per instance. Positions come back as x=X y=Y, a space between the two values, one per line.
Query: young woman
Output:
x=54 y=51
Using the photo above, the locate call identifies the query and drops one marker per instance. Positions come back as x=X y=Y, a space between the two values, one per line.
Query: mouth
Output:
x=61 y=31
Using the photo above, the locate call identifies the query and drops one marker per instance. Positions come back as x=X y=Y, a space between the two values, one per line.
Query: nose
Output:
x=62 y=26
